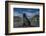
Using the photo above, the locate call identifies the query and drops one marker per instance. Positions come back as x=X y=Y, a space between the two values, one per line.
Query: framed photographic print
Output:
x=24 y=17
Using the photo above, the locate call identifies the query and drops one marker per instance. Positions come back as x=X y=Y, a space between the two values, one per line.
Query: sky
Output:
x=29 y=11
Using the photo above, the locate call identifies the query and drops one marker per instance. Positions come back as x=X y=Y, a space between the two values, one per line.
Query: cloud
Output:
x=30 y=15
x=18 y=14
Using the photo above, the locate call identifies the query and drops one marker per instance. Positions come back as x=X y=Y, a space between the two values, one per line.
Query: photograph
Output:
x=26 y=17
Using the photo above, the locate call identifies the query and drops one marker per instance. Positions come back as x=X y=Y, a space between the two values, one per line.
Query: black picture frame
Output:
x=6 y=18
